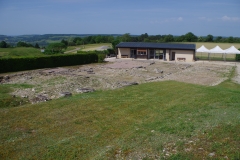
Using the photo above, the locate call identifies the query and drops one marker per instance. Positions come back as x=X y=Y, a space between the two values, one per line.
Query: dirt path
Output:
x=237 y=77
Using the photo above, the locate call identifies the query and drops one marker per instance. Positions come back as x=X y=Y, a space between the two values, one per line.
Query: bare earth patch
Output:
x=51 y=83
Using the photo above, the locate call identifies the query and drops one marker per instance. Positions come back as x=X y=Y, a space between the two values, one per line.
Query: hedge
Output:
x=28 y=63
x=238 y=56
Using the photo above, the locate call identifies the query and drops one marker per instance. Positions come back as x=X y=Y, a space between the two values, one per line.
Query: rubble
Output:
x=84 y=90
x=53 y=82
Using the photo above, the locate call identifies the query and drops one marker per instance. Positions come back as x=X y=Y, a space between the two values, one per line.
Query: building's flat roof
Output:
x=156 y=45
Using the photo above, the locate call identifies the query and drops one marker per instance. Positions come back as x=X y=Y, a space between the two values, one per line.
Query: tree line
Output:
x=188 y=37
x=4 y=44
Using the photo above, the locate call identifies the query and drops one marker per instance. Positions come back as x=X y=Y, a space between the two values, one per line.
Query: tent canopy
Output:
x=232 y=50
x=203 y=49
x=217 y=49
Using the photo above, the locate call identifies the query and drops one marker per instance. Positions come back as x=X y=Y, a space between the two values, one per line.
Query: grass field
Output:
x=88 y=47
x=148 y=121
x=20 y=52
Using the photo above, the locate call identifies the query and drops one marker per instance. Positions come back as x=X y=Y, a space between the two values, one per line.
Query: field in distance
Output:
x=20 y=52
x=87 y=47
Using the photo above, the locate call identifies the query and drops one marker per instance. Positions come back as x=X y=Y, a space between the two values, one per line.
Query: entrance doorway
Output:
x=173 y=56
x=133 y=53
x=152 y=55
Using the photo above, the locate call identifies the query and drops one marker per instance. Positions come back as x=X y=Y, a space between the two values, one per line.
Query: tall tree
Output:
x=230 y=39
x=126 y=37
x=65 y=42
x=3 y=44
x=36 y=45
x=190 y=37
x=218 y=39
x=24 y=44
x=55 y=48
x=169 y=38
x=209 y=38
x=200 y=39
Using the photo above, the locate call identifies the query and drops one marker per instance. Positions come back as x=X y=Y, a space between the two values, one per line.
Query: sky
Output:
x=155 y=17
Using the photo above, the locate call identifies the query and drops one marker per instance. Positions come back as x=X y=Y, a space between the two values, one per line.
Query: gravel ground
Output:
x=52 y=83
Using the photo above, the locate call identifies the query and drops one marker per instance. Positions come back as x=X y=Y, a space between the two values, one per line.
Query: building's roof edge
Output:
x=156 y=45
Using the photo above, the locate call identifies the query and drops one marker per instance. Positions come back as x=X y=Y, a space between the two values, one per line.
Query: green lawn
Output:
x=88 y=47
x=20 y=52
x=150 y=120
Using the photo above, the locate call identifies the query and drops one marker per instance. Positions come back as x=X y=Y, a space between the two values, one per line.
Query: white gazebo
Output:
x=217 y=50
x=232 y=50
x=203 y=49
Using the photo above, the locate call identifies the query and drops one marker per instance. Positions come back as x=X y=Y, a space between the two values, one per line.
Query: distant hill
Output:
x=44 y=39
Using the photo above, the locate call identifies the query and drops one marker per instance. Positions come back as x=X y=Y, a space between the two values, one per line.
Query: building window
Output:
x=142 y=53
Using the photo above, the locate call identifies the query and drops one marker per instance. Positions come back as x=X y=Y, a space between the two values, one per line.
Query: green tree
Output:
x=200 y=39
x=77 y=39
x=3 y=44
x=99 y=39
x=110 y=39
x=79 y=42
x=218 y=39
x=53 y=48
x=169 y=38
x=71 y=43
x=65 y=42
x=114 y=43
x=143 y=37
x=190 y=37
x=126 y=37
x=24 y=44
x=36 y=45
x=180 y=38
x=209 y=38
x=230 y=39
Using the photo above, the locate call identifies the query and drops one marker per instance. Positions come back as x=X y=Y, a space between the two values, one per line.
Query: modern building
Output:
x=162 y=51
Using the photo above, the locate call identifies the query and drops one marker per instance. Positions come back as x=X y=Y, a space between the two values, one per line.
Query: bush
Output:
x=237 y=57
x=101 y=54
x=55 y=48
x=28 y=63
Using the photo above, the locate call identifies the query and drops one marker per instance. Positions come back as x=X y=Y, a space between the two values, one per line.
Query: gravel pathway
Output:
x=237 y=77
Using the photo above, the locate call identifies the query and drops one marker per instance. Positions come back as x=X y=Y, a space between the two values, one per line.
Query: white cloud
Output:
x=180 y=19
x=205 y=19
x=233 y=19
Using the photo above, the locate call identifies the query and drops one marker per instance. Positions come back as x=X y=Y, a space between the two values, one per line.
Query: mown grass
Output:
x=20 y=52
x=151 y=120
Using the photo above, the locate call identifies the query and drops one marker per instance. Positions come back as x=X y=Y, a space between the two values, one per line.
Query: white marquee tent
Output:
x=232 y=50
x=218 y=50
x=203 y=49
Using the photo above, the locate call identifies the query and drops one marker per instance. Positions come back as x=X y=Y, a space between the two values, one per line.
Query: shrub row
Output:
x=238 y=56
x=28 y=63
